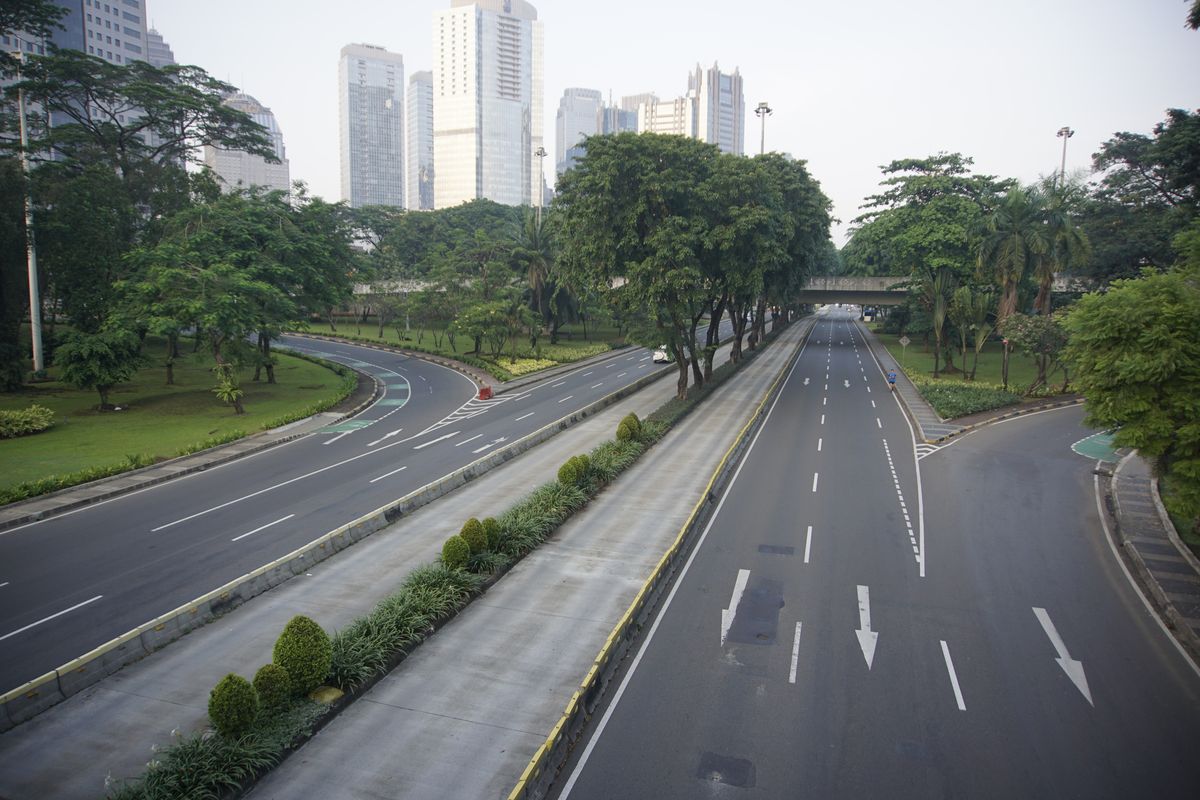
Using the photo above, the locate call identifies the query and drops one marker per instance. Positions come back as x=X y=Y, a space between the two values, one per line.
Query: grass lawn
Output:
x=1021 y=369
x=157 y=421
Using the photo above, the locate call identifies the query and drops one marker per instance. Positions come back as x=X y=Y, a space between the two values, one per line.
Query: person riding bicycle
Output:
x=891 y=376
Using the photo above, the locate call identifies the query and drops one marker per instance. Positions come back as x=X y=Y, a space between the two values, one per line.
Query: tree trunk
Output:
x=172 y=351
x=1043 y=302
x=681 y=364
x=267 y=360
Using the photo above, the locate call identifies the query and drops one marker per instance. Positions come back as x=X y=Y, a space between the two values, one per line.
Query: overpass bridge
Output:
x=883 y=290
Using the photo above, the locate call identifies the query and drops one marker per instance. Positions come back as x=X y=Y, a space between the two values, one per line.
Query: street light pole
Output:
x=1064 y=133
x=35 y=301
x=541 y=155
x=762 y=112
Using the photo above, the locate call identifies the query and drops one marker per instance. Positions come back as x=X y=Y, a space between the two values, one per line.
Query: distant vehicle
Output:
x=662 y=355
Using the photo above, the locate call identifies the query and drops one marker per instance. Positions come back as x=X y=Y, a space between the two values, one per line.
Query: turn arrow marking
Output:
x=1073 y=668
x=806 y=381
x=866 y=637
x=727 y=614
x=847 y=383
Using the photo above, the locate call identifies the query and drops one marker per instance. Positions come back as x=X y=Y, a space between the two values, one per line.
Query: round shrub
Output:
x=273 y=686
x=473 y=534
x=568 y=473
x=625 y=431
x=233 y=705
x=491 y=531
x=305 y=653
x=455 y=552
x=634 y=423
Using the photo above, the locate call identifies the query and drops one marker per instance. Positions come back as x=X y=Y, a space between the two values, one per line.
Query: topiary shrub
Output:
x=635 y=424
x=455 y=552
x=305 y=652
x=491 y=530
x=473 y=534
x=25 y=421
x=232 y=706
x=625 y=431
x=273 y=685
x=574 y=471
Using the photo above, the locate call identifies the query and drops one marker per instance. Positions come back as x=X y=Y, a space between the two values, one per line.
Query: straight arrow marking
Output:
x=1073 y=668
x=727 y=614
x=866 y=637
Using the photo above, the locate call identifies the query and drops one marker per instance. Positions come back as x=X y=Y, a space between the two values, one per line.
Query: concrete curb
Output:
x=1159 y=600
x=536 y=779
x=1019 y=412
x=30 y=699
x=474 y=373
x=199 y=456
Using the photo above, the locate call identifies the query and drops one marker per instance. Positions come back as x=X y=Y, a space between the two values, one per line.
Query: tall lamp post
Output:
x=1064 y=133
x=541 y=155
x=762 y=112
x=35 y=302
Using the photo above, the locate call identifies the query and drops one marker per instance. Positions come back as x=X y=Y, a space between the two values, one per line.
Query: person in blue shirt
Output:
x=891 y=376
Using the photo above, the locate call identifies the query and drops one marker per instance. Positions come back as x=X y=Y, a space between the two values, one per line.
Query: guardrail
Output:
x=538 y=775
x=30 y=699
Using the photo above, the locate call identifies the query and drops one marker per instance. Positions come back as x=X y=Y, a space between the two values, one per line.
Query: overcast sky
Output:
x=853 y=85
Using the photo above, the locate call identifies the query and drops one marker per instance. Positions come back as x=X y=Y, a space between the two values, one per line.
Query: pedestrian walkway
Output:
x=477 y=699
x=931 y=428
x=1164 y=565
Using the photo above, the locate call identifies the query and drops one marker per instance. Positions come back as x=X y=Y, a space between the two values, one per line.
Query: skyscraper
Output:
x=236 y=168
x=720 y=108
x=115 y=32
x=420 y=141
x=578 y=117
x=677 y=117
x=158 y=52
x=371 y=112
x=487 y=110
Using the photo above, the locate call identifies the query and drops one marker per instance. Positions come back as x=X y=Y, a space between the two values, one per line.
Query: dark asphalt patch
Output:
x=728 y=770
x=757 y=617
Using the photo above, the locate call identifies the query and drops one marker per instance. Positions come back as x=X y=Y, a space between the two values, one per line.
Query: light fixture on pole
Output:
x=541 y=155
x=1064 y=133
x=35 y=302
x=762 y=112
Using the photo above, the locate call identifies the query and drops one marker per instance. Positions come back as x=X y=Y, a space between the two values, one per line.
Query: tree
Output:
x=936 y=293
x=1013 y=245
x=1042 y=336
x=37 y=18
x=1136 y=354
x=98 y=360
x=14 y=295
x=1067 y=243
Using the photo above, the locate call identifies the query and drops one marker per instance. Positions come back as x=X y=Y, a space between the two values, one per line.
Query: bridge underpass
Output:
x=883 y=291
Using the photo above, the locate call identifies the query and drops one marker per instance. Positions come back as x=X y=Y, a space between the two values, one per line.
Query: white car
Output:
x=662 y=355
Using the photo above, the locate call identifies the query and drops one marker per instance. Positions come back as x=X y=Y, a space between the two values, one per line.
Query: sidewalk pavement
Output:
x=109 y=729
x=1163 y=564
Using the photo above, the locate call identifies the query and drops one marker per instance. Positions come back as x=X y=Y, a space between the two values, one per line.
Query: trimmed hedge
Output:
x=574 y=471
x=958 y=398
x=473 y=534
x=232 y=706
x=491 y=531
x=274 y=686
x=455 y=552
x=25 y=421
x=304 y=651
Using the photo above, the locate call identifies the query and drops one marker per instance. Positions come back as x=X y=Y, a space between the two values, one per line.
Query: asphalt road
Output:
x=798 y=661
x=74 y=581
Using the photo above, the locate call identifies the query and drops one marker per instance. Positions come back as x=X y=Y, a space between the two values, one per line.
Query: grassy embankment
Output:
x=156 y=421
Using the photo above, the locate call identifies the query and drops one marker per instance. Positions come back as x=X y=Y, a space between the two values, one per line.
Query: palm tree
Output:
x=1068 y=244
x=936 y=291
x=1014 y=241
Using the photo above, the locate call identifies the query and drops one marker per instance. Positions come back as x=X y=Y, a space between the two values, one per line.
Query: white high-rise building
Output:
x=236 y=168
x=371 y=113
x=676 y=116
x=720 y=108
x=158 y=52
x=420 y=141
x=578 y=117
x=487 y=110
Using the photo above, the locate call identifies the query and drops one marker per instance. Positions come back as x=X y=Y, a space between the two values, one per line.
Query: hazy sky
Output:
x=853 y=85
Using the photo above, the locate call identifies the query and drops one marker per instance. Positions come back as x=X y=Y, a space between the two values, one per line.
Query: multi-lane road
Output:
x=74 y=581
x=868 y=618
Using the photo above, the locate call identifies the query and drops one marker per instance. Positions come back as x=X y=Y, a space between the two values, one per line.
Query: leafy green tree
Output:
x=936 y=293
x=482 y=322
x=14 y=294
x=1067 y=244
x=98 y=360
x=1135 y=350
x=1013 y=246
x=1043 y=337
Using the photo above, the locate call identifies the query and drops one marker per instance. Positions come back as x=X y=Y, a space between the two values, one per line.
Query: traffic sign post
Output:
x=904 y=343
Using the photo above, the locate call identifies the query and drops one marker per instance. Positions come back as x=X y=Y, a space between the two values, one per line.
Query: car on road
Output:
x=662 y=355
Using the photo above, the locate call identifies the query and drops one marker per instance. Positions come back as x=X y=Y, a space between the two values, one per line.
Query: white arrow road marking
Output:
x=847 y=383
x=264 y=527
x=1073 y=668
x=958 y=698
x=335 y=438
x=866 y=636
x=435 y=441
x=384 y=437
x=795 y=654
x=727 y=614
x=806 y=381
x=491 y=444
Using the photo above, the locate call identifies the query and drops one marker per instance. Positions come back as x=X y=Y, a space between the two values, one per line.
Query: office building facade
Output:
x=238 y=169
x=579 y=116
x=158 y=52
x=371 y=126
x=420 y=141
x=720 y=108
x=487 y=107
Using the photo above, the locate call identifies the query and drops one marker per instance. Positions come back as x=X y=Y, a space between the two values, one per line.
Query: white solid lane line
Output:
x=2 y=585
x=808 y=544
x=435 y=441
x=795 y=654
x=958 y=698
x=565 y=399
x=52 y=616
x=269 y=524
x=480 y=435
x=518 y=419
